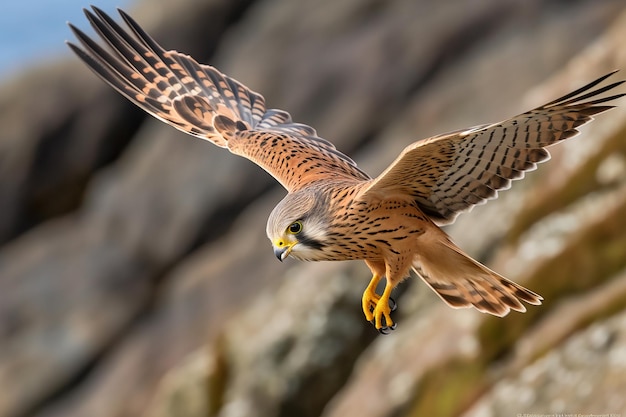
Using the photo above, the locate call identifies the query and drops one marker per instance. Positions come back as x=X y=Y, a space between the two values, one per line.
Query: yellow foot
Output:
x=379 y=316
x=378 y=308
x=369 y=302
x=382 y=317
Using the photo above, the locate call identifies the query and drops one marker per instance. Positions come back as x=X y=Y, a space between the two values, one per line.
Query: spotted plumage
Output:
x=333 y=210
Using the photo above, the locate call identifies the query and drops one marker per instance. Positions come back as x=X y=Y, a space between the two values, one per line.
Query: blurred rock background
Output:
x=136 y=279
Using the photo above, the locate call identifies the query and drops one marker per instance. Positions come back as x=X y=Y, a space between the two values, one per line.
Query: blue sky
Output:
x=34 y=30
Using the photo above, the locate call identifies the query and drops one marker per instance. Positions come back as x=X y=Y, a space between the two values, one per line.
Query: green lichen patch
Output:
x=449 y=389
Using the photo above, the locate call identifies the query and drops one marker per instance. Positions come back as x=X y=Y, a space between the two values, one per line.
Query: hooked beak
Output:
x=282 y=252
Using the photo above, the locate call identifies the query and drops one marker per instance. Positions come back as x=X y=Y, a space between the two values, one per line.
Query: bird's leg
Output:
x=383 y=310
x=370 y=298
x=377 y=308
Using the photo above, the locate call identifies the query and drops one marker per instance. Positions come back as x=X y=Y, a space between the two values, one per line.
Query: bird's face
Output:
x=297 y=227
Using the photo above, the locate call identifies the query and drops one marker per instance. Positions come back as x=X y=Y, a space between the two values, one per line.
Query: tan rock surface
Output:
x=586 y=375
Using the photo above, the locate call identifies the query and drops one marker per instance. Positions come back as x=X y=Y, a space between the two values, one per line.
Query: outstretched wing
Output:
x=199 y=100
x=450 y=173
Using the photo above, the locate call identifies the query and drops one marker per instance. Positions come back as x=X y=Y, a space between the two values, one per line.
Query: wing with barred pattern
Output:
x=201 y=101
x=450 y=173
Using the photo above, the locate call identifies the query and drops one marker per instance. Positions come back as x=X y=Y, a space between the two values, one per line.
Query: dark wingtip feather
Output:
x=74 y=48
x=577 y=95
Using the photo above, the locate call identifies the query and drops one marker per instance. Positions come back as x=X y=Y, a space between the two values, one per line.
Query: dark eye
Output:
x=295 y=228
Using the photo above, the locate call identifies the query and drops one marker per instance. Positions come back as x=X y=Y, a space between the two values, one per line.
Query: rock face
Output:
x=586 y=375
x=136 y=279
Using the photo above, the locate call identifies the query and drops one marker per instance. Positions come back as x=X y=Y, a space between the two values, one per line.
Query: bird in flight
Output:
x=333 y=210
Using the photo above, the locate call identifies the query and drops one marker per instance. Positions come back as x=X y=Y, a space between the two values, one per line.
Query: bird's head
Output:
x=298 y=225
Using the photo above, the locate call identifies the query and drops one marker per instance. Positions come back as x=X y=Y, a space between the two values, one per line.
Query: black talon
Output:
x=387 y=330
x=392 y=304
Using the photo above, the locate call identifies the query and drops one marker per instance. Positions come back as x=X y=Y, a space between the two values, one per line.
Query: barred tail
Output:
x=463 y=282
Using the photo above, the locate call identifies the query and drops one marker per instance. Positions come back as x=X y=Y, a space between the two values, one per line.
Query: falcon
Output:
x=333 y=210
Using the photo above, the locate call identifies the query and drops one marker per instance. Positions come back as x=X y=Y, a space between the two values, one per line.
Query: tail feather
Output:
x=461 y=281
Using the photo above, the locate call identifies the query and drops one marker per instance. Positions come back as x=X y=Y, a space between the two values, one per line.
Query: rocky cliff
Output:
x=136 y=279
